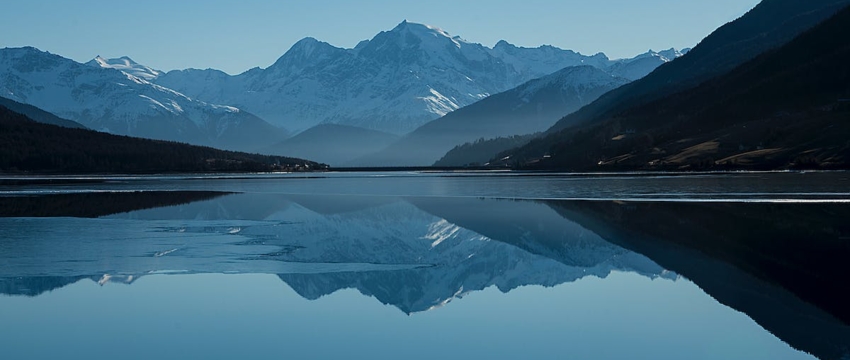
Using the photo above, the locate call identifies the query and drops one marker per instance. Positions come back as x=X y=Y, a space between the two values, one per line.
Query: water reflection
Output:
x=781 y=264
x=421 y=253
x=384 y=247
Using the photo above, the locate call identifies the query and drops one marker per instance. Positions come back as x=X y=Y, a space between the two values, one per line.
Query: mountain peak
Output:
x=306 y=50
x=503 y=43
x=307 y=41
x=670 y=54
x=664 y=55
x=25 y=51
x=126 y=65
x=306 y=47
x=121 y=61
x=28 y=59
x=421 y=30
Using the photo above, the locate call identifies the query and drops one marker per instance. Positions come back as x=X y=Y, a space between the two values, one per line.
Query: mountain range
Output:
x=394 y=82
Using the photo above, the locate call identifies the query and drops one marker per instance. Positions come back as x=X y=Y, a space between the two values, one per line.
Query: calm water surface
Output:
x=425 y=265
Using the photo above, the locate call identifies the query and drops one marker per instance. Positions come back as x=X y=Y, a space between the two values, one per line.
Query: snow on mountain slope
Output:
x=112 y=100
x=394 y=82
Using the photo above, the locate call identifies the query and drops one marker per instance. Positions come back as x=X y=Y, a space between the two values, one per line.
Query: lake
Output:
x=426 y=265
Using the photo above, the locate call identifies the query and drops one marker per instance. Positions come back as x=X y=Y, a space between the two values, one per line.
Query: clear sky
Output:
x=236 y=35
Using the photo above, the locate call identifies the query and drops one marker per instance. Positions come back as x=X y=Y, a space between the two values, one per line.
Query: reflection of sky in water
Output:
x=252 y=316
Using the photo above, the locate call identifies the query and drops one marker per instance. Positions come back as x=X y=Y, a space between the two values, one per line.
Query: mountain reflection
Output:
x=778 y=263
x=402 y=251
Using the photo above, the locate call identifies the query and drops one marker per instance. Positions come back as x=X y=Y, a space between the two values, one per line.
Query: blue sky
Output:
x=237 y=35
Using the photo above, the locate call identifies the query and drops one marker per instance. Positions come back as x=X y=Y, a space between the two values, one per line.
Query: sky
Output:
x=235 y=36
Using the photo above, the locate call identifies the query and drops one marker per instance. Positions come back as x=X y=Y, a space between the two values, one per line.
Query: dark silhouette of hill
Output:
x=769 y=25
x=92 y=205
x=29 y=146
x=35 y=286
x=780 y=263
x=786 y=108
x=39 y=115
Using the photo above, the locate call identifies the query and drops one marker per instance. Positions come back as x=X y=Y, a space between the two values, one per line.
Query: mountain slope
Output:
x=786 y=108
x=333 y=144
x=38 y=115
x=110 y=100
x=29 y=146
x=395 y=82
x=481 y=151
x=769 y=25
x=531 y=107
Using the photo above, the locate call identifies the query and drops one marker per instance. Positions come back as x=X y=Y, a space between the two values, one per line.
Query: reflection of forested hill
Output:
x=91 y=205
x=781 y=264
x=34 y=286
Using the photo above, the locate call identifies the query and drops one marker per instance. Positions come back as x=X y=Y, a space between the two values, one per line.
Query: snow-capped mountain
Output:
x=113 y=96
x=394 y=82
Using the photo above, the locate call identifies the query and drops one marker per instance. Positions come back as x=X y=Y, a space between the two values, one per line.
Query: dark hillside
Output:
x=39 y=115
x=32 y=147
x=769 y=25
x=788 y=108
